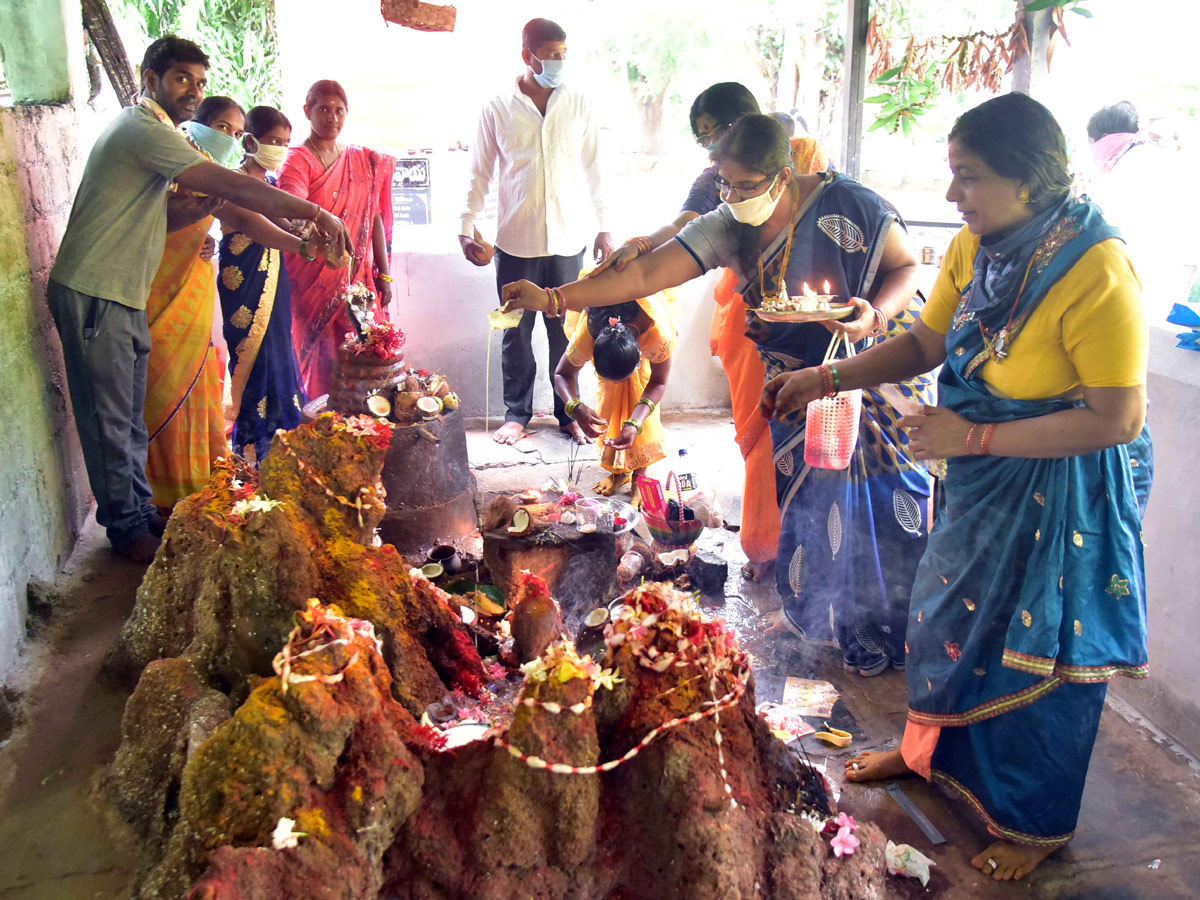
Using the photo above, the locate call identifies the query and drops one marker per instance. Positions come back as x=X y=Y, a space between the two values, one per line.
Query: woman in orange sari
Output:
x=183 y=413
x=713 y=111
x=355 y=184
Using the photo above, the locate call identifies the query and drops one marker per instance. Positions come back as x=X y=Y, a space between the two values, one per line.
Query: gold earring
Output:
x=1025 y=195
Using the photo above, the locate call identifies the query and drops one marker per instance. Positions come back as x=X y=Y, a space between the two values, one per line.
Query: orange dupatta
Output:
x=744 y=369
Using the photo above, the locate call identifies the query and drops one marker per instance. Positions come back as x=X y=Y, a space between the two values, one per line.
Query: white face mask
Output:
x=551 y=75
x=755 y=210
x=268 y=156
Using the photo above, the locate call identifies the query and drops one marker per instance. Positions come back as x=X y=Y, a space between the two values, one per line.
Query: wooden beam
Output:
x=855 y=81
x=98 y=22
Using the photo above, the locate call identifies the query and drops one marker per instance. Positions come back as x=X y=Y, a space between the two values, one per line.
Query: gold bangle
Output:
x=385 y=277
x=572 y=405
x=637 y=426
x=647 y=402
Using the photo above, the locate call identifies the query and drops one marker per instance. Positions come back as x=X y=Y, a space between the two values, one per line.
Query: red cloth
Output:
x=356 y=188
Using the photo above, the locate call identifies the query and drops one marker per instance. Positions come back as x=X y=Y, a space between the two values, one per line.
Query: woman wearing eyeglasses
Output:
x=849 y=539
x=713 y=111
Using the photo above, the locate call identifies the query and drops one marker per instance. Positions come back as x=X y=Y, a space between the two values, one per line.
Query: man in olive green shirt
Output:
x=106 y=262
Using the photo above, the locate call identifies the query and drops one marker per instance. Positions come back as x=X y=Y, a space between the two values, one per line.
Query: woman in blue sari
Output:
x=1030 y=596
x=850 y=539
x=256 y=305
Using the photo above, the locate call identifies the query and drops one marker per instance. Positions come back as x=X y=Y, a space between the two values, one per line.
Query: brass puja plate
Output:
x=816 y=315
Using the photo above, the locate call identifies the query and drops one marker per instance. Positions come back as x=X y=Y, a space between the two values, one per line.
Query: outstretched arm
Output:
x=668 y=266
x=260 y=197
x=627 y=252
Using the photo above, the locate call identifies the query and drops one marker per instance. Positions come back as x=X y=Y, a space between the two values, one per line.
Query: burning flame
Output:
x=826 y=290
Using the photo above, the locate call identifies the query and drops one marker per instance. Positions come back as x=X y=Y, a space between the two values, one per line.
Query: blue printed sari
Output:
x=849 y=540
x=257 y=323
x=1031 y=594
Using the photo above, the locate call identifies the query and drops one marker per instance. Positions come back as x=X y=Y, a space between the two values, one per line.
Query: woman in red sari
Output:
x=355 y=184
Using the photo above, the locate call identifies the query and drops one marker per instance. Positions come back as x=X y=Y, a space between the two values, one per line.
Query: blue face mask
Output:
x=551 y=75
x=223 y=149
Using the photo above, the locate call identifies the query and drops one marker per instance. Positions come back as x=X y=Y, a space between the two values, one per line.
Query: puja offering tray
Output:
x=808 y=306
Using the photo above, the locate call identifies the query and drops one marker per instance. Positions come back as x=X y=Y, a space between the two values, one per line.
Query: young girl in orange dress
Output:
x=630 y=345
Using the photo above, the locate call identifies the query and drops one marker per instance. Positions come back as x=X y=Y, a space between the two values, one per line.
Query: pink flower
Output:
x=844 y=843
x=497 y=672
x=845 y=821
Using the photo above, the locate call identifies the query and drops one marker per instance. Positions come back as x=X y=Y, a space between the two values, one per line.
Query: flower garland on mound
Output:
x=662 y=627
x=320 y=630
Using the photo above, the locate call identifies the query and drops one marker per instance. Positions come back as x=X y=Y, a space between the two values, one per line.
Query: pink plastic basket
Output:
x=831 y=428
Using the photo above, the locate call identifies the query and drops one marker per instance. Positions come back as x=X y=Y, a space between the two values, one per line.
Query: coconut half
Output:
x=521 y=522
x=596 y=617
x=429 y=406
x=379 y=405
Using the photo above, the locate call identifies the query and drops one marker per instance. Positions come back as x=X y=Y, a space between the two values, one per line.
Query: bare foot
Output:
x=758 y=571
x=875 y=765
x=1005 y=861
x=606 y=487
x=574 y=432
x=774 y=623
x=508 y=433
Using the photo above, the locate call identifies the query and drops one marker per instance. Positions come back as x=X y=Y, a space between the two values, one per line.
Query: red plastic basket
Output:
x=831 y=426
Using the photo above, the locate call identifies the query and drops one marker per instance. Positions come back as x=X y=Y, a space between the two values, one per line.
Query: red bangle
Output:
x=971 y=437
x=828 y=387
x=881 y=323
x=986 y=440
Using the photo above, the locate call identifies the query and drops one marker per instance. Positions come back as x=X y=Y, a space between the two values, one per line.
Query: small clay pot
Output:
x=447 y=557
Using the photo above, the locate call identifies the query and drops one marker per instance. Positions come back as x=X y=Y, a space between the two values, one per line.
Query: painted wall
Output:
x=43 y=487
x=1170 y=697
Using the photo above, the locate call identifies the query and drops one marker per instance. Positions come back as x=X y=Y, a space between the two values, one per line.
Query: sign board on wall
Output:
x=411 y=185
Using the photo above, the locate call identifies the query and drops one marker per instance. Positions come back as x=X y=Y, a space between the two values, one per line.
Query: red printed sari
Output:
x=355 y=188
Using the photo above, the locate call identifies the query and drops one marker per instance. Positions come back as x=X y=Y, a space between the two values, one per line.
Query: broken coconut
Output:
x=521 y=522
x=379 y=405
x=596 y=617
x=429 y=406
x=450 y=401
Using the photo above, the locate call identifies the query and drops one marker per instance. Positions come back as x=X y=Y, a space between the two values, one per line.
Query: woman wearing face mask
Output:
x=850 y=538
x=630 y=346
x=355 y=184
x=713 y=111
x=183 y=412
x=256 y=301
x=1031 y=595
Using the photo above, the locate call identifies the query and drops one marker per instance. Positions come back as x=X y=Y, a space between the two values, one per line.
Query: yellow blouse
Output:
x=1090 y=328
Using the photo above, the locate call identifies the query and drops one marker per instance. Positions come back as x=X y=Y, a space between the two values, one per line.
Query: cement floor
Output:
x=1137 y=838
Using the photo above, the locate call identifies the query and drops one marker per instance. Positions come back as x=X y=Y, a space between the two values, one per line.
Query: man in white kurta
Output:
x=539 y=141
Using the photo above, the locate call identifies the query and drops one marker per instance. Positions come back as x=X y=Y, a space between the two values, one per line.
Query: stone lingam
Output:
x=278 y=744
x=427 y=477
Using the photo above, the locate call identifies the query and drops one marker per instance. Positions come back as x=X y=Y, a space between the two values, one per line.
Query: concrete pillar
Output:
x=42 y=45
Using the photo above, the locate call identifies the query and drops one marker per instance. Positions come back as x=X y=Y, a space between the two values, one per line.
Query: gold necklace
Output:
x=317 y=153
x=780 y=284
